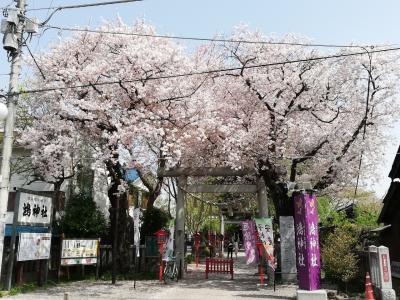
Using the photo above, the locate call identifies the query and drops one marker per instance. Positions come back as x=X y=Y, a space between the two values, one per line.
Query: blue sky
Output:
x=334 y=21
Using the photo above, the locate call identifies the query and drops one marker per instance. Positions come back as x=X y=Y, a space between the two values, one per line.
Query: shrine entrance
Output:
x=182 y=174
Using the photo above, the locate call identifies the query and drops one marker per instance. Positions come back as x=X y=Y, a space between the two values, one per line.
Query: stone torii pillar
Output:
x=180 y=225
x=262 y=198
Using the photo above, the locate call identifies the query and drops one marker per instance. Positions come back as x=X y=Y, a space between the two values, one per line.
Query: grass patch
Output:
x=26 y=288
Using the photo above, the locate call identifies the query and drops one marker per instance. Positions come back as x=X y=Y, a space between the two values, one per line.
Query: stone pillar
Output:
x=180 y=225
x=385 y=277
x=288 y=249
x=262 y=198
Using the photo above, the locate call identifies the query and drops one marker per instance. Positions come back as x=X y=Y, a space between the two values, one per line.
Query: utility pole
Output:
x=13 y=41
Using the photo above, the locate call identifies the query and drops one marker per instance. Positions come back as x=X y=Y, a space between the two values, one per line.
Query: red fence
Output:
x=214 y=265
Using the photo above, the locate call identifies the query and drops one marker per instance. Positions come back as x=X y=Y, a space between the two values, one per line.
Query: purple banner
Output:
x=307 y=243
x=249 y=241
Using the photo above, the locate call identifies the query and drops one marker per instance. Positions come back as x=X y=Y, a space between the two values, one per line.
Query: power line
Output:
x=83 y=5
x=59 y=8
x=33 y=91
x=203 y=39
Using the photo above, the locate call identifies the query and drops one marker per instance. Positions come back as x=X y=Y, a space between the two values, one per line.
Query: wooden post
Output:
x=223 y=233
x=231 y=265
x=115 y=242
x=97 y=261
x=39 y=266
x=20 y=271
x=180 y=225
x=207 y=266
x=68 y=272
x=59 y=263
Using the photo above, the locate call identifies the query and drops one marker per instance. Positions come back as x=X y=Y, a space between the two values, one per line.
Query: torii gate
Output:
x=183 y=173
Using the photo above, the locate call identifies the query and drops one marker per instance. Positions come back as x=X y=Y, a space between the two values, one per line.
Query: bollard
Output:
x=66 y=296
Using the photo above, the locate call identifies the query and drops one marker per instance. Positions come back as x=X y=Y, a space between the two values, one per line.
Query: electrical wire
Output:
x=83 y=5
x=204 y=39
x=318 y=58
x=59 y=8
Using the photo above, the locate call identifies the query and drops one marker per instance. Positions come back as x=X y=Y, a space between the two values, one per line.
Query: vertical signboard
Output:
x=248 y=231
x=384 y=267
x=307 y=243
x=266 y=234
x=288 y=248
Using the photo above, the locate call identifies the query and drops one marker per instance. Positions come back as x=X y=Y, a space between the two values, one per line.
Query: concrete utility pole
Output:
x=13 y=36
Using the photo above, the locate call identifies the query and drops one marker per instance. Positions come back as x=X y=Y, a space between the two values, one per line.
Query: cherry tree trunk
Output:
x=119 y=227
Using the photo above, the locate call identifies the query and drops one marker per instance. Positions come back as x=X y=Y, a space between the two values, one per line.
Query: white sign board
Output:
x=79 y=252
x=34 y=209
x=33 y=246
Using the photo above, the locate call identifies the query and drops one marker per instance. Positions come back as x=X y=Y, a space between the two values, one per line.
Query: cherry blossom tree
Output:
x=308 y=120
x=102 y=87
x=304 y=121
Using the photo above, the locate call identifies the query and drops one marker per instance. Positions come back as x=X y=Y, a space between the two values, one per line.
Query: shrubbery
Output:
x=340 y=263
x=153 y=219
x=82 y=218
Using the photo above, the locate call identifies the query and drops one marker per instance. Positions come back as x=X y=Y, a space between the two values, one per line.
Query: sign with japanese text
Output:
x=385 y=276
x=248 y=231
x=288 y=248
x=34 y=209
x=74 y=252
x=266 y=235
x=307 y=242
x=33 y=246
x=385 y=268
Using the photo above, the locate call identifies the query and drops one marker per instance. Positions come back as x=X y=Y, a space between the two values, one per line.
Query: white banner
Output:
x=34 y=209
x=79 y=248
x=169 y=246
x=33 y=246
x=136 y=229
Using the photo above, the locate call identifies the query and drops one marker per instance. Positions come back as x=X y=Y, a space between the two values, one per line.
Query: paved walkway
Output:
x=195 y=286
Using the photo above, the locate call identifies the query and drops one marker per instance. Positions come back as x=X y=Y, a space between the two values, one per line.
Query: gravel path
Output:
x=195 y=286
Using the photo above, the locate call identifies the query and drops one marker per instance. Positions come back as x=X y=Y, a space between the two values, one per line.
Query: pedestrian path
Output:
x=193 y=287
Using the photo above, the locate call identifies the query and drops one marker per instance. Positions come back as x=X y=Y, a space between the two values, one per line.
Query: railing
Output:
x=222 y=266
